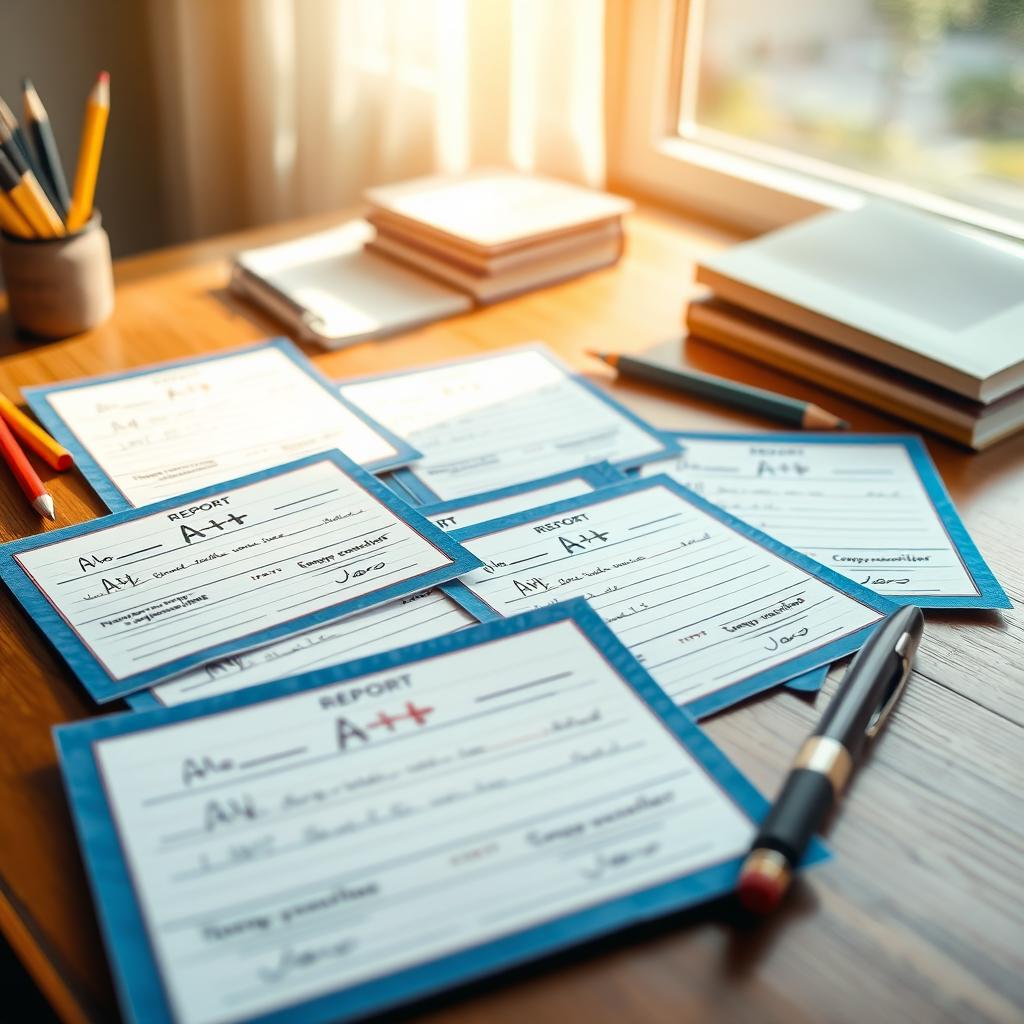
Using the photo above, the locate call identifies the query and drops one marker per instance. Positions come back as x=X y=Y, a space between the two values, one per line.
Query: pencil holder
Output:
x=59 y=286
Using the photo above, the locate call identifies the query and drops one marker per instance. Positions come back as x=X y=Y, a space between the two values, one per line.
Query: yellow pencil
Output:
x=12 y=220
x=26 y=193
x=28 y=198
x=94 y=128
x=33 y=436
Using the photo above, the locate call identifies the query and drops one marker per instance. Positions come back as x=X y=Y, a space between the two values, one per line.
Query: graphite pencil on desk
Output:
x=729 y=392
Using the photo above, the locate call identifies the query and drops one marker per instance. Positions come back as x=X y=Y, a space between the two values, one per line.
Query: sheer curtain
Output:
x=278 y=108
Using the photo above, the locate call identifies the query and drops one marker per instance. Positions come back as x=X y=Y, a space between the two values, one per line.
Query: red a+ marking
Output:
x=418 y=715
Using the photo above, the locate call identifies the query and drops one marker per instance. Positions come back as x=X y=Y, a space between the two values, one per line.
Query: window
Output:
x=764 y=111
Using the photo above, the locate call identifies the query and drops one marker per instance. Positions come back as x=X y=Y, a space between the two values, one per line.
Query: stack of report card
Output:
x=364 y=626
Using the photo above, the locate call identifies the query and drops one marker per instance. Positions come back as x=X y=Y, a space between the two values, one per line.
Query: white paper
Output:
x=699 y=604
x=534 y=497
x=301 y=845
x=487 y=423
x=159 y=587
x=344 y=292
x=860 y=509
x=395 y=624
x=171 y=431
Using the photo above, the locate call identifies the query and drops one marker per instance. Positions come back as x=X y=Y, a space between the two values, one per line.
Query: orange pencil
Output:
x=33 y=436
x=23 y=472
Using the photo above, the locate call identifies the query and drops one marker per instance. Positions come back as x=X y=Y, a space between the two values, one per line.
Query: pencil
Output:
x=47 y=155
x=33 y=436
x=729 y=392
x=23 y=190
x=23 y=472
x=11 y=219
x=23 y=153
x=10 y=122
x=94 y=128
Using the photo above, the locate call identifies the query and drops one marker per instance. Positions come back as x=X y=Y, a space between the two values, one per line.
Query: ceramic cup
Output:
x=57 y=287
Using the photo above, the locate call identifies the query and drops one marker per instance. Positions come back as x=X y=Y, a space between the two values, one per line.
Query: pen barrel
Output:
x=740 y=396
x=873 y=676
x=803 y=804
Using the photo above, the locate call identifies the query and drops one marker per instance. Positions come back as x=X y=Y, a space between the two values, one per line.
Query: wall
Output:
x=62 y=45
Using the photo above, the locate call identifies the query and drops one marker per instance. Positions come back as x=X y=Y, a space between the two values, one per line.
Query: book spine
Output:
x=870 y=346
x=706 y=325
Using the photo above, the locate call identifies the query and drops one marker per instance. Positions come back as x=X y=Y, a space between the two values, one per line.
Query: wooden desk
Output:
x=921 y=915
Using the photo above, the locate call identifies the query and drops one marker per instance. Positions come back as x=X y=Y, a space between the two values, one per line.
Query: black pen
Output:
x=818 y=775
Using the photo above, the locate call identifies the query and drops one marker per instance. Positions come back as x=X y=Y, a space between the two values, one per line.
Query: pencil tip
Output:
x=816 y=418
x=595 y=354
x=44 y=506
x=104 y=78
x=34 y=109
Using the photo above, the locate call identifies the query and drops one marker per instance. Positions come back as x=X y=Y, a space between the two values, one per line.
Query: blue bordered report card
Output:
x=870 y=506
x=479 y=508
x=715 y=610
x=150 y=434
x=142 y=595
x=465 y=512
x=335 y=844
x=501 y=419
x=403 y=621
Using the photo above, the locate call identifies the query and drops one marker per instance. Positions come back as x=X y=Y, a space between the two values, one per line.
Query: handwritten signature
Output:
x=359 y=573
x=290 y=960
x=775 y=643
x=605 y=863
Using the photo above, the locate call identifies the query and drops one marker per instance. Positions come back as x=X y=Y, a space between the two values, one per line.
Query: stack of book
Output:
x=892 y=307
x=430 y=249
x=494 y=234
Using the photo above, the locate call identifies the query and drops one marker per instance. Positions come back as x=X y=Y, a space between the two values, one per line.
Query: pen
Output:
x=818 y=775
x=741 y=396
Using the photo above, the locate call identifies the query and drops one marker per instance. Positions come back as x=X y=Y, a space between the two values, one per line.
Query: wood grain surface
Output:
x=919 y=918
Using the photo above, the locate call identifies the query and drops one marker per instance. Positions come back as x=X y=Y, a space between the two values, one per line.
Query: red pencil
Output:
x=23 y=472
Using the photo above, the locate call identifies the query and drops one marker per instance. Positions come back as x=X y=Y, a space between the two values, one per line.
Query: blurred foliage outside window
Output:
x=929 y=93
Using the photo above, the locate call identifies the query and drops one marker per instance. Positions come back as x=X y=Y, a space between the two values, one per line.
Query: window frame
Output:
x=648 y=51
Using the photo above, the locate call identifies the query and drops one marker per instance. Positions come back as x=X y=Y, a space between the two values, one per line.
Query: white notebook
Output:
x=937 y=300
x=330 y=291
